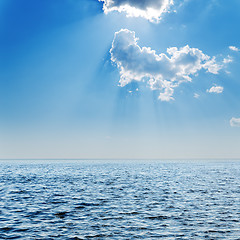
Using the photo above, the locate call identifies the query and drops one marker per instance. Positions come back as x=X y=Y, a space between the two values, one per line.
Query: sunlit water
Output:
x=119 y=200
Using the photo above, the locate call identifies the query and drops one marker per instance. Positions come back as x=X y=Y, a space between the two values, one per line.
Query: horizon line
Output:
x=121 y=158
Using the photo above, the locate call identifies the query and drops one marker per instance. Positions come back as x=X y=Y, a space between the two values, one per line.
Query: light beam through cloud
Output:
x=151 y=10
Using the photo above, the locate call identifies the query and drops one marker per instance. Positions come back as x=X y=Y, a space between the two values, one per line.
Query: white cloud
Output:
x=215 y=89
x=162 y=71
x=233 y=48
x=228 y=59
x=152 y=10
x=235 y=122
x=196 y=95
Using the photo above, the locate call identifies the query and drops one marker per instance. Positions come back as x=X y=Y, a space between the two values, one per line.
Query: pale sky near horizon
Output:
x=119 y=79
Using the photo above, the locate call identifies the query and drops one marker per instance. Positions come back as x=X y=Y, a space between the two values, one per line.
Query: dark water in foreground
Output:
x=119 y=200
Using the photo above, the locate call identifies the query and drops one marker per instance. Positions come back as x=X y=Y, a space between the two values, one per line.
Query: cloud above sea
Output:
x=235 y=122
x=215 y=89
x=151 y=10
x=234 y=48
x=163 y=72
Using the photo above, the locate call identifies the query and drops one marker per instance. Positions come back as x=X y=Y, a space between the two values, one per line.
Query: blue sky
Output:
x=120 y=79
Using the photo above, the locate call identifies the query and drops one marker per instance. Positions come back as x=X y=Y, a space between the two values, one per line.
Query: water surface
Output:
x=119 y=200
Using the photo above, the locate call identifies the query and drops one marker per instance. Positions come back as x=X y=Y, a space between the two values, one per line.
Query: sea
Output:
x=119 y=199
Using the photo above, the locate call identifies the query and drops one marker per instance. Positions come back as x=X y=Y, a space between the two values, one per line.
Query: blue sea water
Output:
x=119 y=200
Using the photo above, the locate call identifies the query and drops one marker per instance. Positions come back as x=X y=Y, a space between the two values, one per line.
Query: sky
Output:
x=148 y=79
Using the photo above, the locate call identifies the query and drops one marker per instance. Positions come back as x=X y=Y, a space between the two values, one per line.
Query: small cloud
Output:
x=228 y=59
x=235 y=122
x=151 y=10
x=215 y=89
x=196 y=95
x=166 y=95
x=233 y=48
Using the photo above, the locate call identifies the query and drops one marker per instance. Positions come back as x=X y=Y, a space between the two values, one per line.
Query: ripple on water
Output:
x=119 y=200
